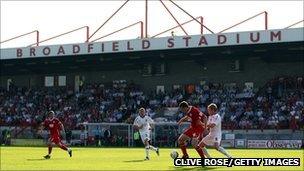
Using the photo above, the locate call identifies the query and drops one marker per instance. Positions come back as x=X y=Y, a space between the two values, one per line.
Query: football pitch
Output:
x=30 y=158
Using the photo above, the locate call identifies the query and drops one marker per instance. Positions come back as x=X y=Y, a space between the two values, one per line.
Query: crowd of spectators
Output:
x=279 y=104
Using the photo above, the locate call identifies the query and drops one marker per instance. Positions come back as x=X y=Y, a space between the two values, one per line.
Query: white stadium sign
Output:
x=274 y=143
x=176 y=42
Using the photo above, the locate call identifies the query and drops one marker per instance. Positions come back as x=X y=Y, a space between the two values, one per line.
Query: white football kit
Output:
x=215 y=134
x=144 y=132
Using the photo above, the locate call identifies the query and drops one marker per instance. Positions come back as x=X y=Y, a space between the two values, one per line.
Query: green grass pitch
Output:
x=30 y=158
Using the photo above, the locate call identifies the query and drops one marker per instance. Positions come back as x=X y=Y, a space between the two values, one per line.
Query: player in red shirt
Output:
x=54 y=126
x=195 y=131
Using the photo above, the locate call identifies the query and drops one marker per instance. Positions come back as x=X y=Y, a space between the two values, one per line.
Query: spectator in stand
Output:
x=280 y=104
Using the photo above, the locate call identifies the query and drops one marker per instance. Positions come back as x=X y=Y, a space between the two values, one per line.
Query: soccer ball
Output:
x=174 y=154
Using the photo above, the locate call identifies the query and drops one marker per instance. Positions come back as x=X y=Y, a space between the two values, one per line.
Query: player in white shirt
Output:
x=215 y=133
x=143 y=124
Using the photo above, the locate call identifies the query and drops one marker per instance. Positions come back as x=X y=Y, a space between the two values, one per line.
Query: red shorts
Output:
x=194 y=132
x=55 y=139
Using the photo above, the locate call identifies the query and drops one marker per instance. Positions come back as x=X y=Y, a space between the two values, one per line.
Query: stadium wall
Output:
x=253 y=69
x=165 y=135
x=190 y=72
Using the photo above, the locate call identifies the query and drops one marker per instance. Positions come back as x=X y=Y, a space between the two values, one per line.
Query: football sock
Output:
x=184 y=150
x=152 y=148
x=62 y=146
x=200 y=151
x=223 y=151
x=206 y=152
x=147 y=151
x=50 y=149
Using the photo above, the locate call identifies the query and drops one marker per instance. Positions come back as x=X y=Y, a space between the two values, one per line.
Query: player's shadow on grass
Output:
x=35 y=159
x=134 y=161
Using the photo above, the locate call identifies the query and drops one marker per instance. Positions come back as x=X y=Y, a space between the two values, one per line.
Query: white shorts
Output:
x=145 y=136
x=210 y=140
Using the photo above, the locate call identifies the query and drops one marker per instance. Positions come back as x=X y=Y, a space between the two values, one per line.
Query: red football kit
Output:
x=195 y=130
x=54 y=127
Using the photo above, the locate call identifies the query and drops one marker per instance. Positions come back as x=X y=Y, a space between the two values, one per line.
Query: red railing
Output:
x=141 y=33
x=200 y=22
x=173 y=17
x=201 y=18
x=146 y=19
x=87 y=34
x=108 y=19
x=294 y=24
x=144 y=25
x=266 y=21
x=35 y=31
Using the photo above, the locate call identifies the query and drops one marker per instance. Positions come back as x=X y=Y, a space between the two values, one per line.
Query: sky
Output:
x=55 y=17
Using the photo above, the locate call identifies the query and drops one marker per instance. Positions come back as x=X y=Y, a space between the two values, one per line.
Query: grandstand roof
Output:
x=272 y=52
